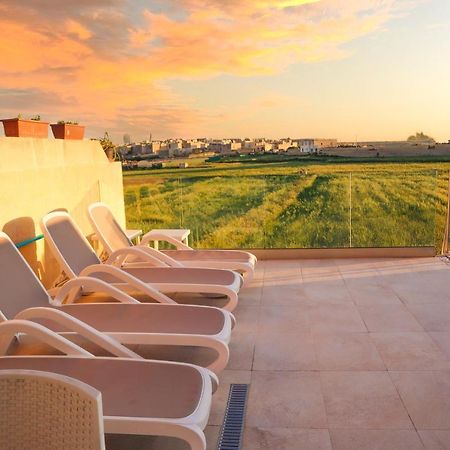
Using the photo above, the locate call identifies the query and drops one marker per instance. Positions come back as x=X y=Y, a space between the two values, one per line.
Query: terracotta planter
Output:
x=110 y=154
x=25 y=128
x=67 y=131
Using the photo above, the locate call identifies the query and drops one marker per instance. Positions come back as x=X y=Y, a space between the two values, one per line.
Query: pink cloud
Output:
x=105 y=67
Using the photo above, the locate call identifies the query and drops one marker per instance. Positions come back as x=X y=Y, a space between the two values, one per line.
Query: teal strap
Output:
x=29 y=241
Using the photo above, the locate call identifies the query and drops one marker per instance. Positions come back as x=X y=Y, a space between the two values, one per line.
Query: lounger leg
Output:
x=248 y=277
x=232 y=296
x=193 y=436
x=223 y=355
x=232 y=301
x=190 y=433
x=214 y=292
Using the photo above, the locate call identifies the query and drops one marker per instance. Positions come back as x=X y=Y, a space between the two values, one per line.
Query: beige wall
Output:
x=40 y=175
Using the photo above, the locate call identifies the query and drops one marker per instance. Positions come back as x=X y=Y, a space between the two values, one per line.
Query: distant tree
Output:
x=126 y=139
x=421 y=138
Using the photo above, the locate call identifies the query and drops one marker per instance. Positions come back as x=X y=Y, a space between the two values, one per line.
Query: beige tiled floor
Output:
x=340 y=354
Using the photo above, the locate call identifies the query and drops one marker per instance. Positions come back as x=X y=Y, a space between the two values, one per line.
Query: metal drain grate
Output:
x=233 y=423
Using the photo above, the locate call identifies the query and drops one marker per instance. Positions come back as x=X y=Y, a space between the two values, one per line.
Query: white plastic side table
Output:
x=181 y=235
x=134 y=234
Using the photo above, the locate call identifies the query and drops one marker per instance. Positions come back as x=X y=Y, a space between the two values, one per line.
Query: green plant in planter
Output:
x=108 y=146
x=37 y=117
x=66 y=122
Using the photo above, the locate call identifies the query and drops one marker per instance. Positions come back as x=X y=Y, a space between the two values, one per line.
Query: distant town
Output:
x=146 y=152
x=173 y=148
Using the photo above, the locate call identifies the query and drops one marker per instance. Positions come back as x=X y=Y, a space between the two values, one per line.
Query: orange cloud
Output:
x=75 y=28
x=104 y=62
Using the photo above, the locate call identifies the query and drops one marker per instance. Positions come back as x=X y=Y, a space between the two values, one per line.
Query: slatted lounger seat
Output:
x=113 y=238
x=77 y=258
x=132 y=322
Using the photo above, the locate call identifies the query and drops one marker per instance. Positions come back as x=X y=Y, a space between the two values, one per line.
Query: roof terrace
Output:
x=343 y=353
x=339 y=354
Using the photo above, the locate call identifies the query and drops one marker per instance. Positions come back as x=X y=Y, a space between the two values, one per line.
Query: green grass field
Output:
x=288 y=204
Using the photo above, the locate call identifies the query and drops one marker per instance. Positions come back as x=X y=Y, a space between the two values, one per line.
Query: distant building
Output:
x=262 y=146
x=325 y=143
x=175 y=145
x=155 y=147
x=307 y=145
x=171 y=148
x=193 y=144
x=124 y=150
x=137 y=150
x=313 y=145
x=216 y=146
x=283 y=145
x=189 y=146
x=248 y=146
x=235 y=145
x=225 y=146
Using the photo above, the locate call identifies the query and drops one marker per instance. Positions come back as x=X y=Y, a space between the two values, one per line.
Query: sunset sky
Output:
x=349 y=69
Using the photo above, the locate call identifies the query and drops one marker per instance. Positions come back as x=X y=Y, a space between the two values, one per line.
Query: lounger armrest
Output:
x=83 y=329
x=152 y=235
x=74 y=288
x=11 y=328
x=208 y=289
x=196 y=340
x=118 y=257
x=160 y=255
x=128 y=280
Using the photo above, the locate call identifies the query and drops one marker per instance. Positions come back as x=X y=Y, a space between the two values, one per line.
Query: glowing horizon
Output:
x=371 y=69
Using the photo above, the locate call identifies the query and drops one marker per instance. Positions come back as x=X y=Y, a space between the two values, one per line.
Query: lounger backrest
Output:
x=20 y=287
x=67 y=243
x=42 y=410
x=109 y=232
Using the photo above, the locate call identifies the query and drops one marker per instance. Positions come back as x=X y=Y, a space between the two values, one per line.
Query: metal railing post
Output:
x=351 y=212
x=446 y=230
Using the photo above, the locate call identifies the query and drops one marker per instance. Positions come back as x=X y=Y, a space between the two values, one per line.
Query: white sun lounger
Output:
x=77 y=258
x=48 y=411
x=139 y=396
x=114 y=238
x=129 y=322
